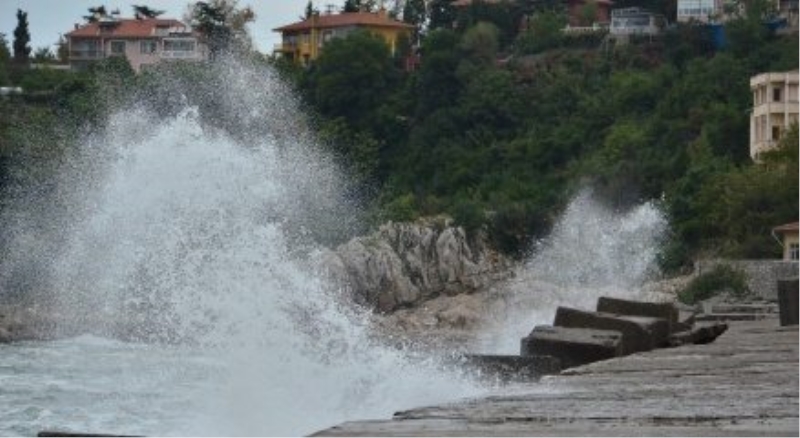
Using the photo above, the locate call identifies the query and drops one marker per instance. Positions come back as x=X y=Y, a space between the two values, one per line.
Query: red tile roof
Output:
x=793 y=226
x=127 y=28
x=344 y=19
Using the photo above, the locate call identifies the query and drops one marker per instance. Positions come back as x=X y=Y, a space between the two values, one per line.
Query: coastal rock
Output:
x=403 y=264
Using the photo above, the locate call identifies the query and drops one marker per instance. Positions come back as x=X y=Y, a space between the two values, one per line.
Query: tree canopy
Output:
x=141 y=12
x=22 y=39
x=223 y=25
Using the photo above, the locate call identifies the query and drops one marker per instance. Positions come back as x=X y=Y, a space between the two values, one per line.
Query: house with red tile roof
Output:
x=589 y=12
x=304 y=41
x=143 y=42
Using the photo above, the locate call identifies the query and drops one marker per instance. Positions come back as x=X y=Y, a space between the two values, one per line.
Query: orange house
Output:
x=304 y=41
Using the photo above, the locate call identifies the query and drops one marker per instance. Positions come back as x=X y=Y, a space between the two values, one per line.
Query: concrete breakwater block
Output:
x=788 y=296
x=572 y=346
x=639 y=333
x=509 y=367
x=686 y=321
x=701 y=333
x=618 y=306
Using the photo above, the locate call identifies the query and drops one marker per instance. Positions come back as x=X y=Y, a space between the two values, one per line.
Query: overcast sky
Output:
x=50 y=18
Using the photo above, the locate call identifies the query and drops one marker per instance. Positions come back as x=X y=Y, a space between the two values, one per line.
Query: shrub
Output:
x=722 y=278
x=400 y=209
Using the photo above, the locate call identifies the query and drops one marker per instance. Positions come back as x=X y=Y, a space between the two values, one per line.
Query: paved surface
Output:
x=743 y=384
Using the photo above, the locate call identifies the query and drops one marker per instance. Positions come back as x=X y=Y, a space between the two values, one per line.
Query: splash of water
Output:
x=592 y=251
x=184 y=233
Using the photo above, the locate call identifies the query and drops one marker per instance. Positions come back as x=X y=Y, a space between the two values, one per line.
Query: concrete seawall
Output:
x=762 y=275
x=744 y=384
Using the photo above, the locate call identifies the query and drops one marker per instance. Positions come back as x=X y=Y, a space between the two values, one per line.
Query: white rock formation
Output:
x=403 y=264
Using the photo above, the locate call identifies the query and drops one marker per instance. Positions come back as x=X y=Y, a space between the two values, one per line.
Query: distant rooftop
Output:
x=344 y=19
x=793 y=226
x=128 y=28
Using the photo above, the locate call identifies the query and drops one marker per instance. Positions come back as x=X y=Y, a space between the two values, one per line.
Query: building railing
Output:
x=293 y=47
x=87 y=54
x=594 y=28
x=180 y=54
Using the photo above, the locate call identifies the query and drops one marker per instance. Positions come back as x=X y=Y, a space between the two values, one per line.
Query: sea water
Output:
x=184 y=247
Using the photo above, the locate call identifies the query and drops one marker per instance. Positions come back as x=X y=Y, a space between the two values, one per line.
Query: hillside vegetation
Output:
x=498 y=127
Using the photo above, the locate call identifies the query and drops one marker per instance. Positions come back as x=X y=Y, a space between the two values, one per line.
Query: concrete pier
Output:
x=743 y=384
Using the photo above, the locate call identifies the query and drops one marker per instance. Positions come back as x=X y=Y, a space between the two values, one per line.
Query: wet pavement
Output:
x=743 y=384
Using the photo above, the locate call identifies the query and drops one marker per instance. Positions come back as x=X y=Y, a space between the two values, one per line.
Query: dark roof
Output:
x=344 y=19
x=127 y=28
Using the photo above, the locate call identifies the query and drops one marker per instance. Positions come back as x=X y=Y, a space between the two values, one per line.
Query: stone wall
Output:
x=762 y=275
x=403 y=264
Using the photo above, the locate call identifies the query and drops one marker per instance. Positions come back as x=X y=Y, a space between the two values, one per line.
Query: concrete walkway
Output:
x=743 y=384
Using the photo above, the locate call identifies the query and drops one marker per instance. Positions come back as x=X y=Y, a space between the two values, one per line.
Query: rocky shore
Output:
x=427 y=279
x=404 y=264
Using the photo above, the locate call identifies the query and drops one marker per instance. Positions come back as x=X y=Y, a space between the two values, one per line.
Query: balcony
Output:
x=289 y=47
x=180 y=54
x=87 y=54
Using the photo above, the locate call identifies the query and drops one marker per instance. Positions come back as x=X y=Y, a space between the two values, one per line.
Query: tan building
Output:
x=787 y=235
x=304 y=41
x=775 y=108
x=788 y=9
x=142 y=41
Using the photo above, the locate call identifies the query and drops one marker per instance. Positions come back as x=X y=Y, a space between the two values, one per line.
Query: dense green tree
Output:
x=480 y=43
x=744 y=204
x=352 y=77
x=415 y=13
x=62 y=51
x=5 y=60
x=442 y=14
x=310 y=11
x=43 y=55
x=543 y=32
x=96 y=14
x=141 y=12
x=436 y=85
x=22 y=39
x=358 y=6
x=223 y=25
x=348 y=85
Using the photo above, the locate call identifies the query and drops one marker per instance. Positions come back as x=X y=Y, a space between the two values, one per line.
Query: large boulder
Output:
x=639 y=333
x=403 y=264
x=572 y=346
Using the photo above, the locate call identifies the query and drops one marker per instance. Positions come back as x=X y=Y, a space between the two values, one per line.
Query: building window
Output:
x=794 y=251
x=776 y=94
x=178 y=45
x=117 y=47
x=148 y=47
x=776 y=133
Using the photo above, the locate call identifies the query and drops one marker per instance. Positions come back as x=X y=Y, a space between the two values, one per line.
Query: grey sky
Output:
x=50 y=18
